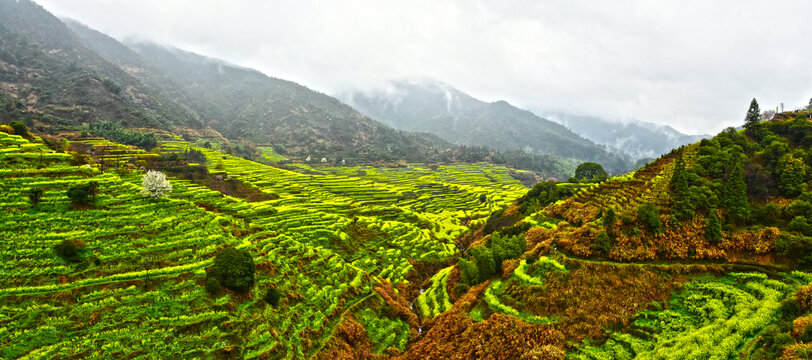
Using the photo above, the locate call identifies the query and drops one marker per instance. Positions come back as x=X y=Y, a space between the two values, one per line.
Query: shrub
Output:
x=648 y=214
x=460 y=289
x=212 y=284
x=272 y=297
x=468 y=271
x=155 y=185
x=35 y=195
x=233 y=269
x=790 y=309
x=20 y=129
x=603 y=242
x=83 y=193
x=69 y=250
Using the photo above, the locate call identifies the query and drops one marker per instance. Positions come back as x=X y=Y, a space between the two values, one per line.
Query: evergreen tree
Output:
x=682 y=208
x=468 y=271
x=483 y=258
x=791 y=174
x=753 y=115
x=734 y=195
x=609 y=219
x=713 y=229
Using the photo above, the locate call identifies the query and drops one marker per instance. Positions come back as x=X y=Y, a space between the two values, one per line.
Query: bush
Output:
x=233 y=269
x=648 y=214
x=35 y=195
x=460 y=289
x=468 y=271
x=603 y=243
x=790 y=309
x=69 y=250
x=212 y=284
x=20 y=129
x=83 y=193
x=272 y=297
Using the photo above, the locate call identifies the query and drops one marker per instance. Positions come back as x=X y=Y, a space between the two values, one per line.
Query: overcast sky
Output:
x=694 y=65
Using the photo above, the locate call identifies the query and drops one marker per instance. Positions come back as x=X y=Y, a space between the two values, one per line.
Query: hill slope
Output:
x=243 y=103
x=434 y=107
x=45 y=68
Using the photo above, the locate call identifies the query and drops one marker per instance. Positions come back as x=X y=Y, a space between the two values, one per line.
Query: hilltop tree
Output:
x=155 y=185
x=734 y=195
x=590 y=170
x=753 y=116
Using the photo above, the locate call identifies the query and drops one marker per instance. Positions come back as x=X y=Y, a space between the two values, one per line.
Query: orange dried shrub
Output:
x=350 y=341
x=6 y=129
x=796 y=352
x=500 y=337
x=804 y=296
x=592 y=297
x=397 y=304
x=759 y=243
x=800 y=324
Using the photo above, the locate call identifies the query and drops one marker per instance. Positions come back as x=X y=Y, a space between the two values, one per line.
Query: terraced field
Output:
x=326 y=239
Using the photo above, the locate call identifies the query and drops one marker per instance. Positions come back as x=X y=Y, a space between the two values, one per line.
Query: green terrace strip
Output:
x=707 y=320
x=434 y=301
x=492 y=293
x=139 y=283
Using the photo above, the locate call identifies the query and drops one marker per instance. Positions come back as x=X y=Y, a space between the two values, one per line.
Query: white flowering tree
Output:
x=155 y=185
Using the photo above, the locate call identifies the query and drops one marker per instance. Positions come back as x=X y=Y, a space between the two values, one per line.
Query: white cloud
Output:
x=694 y=65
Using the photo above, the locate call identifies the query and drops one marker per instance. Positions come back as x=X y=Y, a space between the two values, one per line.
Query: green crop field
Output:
x=328 y=236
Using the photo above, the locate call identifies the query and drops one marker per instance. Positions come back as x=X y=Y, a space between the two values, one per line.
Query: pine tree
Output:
x=713 y=229
x=682 y=207
x=753 y=115
x=734 y=195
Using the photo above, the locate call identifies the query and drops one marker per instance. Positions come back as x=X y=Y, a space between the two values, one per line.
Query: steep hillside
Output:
x=437 y=108
x=639 y=140
x=45 y=69
x=703 y=253
x=243 y=103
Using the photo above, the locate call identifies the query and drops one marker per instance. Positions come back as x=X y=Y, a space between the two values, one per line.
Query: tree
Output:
x=734 y=195
x=609 y=219
x=506 y=247
x=791 y=174
x=233 y=268
x=603 y=242
x=155 y=185
x=649 y=216
x=682 y=207
x=768 y=115
x=83 y=194
x=272 y=297
x=590 y=170
x=35 y=195
x=69 y=250
x=468 y=271
x=483 y=258
x=713 y=229
x=20 y=129
x=753 y=116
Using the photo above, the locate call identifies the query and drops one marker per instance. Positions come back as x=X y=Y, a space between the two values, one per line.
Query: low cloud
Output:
x=693 y=65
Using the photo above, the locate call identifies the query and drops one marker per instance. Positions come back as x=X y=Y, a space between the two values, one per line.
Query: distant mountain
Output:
x=431 y=106
x=637 y=139
x=46 y=70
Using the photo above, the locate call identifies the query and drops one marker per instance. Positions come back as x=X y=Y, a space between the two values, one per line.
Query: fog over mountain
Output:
x=693 y=65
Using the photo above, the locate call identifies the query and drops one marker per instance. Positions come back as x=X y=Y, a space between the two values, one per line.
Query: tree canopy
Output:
x=590 y=170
